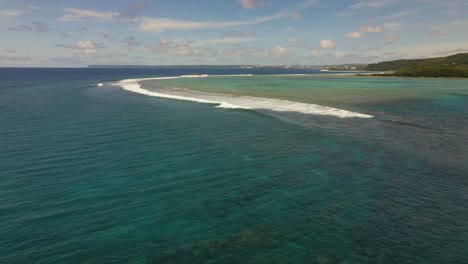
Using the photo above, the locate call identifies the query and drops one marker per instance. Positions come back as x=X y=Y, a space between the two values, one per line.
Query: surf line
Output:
x=242 y=102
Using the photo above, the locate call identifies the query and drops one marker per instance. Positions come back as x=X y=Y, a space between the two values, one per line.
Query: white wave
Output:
x=237 y=102
x=194 y=75
x=233 y=75
x=231 y=106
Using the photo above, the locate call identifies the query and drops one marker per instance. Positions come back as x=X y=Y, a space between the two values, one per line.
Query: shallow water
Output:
x=99 y=175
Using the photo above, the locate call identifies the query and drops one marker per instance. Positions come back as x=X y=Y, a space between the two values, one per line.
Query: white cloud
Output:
x=339 y=54
x=8 y=13
x=5 y=14
x=236 y=33
x=226 y=40
x=168 y=47
x=371 y=3
x=316 y=54
x=294 y=43
x=327 y=44
x=391 y=39
x=356 y=34
x=277 y=51
x=376 y=29
x=236 y=54
x=161 y=24
x=85 y=48
x=75 y=14
x=397 y=15
x=184 y=50
x=251 y=4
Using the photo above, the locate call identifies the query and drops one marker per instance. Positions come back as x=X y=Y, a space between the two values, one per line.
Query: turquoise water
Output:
x=336 y=91
x=102 y=175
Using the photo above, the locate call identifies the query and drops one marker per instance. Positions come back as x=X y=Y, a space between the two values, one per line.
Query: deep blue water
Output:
x=93 y=175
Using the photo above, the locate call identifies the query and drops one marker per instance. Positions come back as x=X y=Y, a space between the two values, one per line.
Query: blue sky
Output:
x=311 y=32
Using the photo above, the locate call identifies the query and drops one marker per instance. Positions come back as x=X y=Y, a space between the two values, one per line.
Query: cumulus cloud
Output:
x=39 y=27
x=83 y=47
x=251 y=4
x=316 y=54
x=184 y=50
x=356 y=34
x=237 y=54
x=339 y=54
x=277 y=51
x=367 y=28
x=327 y=44
x=390 y=39
x=294 y=43
x=168 y=47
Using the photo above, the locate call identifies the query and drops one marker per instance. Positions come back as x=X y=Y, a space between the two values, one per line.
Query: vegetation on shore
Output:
x=450 y=66
x=458 y=60
x=429 y=72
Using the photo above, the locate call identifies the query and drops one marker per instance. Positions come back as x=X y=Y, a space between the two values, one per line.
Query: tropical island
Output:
x=450 y=66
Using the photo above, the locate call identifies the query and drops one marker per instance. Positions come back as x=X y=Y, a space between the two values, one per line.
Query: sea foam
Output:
x=235 y=102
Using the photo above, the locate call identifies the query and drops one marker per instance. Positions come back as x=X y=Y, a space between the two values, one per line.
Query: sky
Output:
x=70 y=33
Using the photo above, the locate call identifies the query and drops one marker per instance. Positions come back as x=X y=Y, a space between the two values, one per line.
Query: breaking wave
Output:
x=234 y=102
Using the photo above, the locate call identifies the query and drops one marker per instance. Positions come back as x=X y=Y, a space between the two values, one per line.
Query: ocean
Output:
x=269 y=166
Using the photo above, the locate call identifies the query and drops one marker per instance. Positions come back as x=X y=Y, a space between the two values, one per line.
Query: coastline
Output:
x=409 y=77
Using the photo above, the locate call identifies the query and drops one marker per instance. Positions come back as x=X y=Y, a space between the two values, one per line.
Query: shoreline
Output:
x=409 y=77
